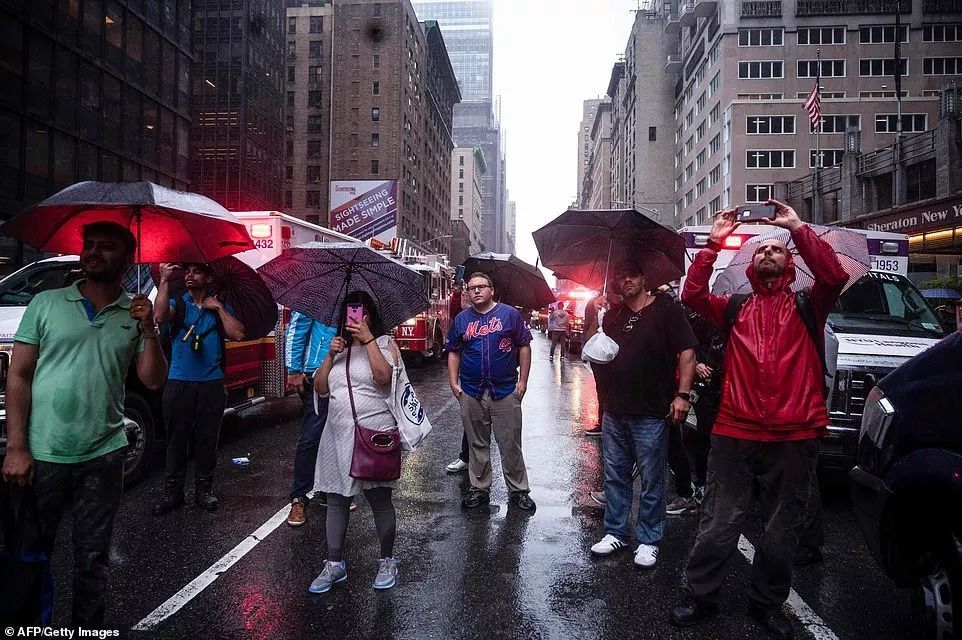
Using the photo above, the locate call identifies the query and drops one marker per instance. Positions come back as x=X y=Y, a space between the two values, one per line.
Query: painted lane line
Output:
x=204 y=580
x=809 y=619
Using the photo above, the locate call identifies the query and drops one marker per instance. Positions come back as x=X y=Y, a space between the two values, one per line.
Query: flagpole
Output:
x=816 y=187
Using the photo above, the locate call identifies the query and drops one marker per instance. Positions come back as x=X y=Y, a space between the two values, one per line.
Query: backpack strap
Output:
x=735 y=303
x=803 y=303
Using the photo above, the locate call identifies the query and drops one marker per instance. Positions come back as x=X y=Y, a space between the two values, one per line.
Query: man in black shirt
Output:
x=654 y=340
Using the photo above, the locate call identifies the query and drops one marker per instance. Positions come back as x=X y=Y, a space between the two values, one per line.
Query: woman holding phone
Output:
x=372 y=353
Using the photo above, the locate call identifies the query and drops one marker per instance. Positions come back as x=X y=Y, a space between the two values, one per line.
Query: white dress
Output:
x=332 y=474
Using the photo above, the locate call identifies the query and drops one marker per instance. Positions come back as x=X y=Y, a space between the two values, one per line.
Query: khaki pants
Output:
x=504 y=417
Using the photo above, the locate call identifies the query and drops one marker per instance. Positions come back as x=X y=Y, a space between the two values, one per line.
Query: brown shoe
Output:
x=298 y=514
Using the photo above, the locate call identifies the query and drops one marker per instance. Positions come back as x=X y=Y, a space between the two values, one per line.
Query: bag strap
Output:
x=350 y=389
x=803 y=303
x=735 y=303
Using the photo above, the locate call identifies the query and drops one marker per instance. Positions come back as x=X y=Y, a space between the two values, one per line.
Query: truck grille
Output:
x=851 y=389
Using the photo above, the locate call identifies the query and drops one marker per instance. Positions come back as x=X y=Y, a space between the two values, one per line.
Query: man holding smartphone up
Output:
x=771 y=414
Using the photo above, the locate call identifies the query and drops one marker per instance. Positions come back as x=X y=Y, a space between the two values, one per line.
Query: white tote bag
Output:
x=600 y=348
x=403 y=402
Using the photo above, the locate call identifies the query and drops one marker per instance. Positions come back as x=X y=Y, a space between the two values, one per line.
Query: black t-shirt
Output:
x=641 y=379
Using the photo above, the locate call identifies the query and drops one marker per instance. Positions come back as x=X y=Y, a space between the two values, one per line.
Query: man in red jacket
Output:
x=772 y=413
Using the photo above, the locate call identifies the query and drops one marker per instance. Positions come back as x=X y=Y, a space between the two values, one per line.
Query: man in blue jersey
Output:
x=487 y=343
x=307 y=342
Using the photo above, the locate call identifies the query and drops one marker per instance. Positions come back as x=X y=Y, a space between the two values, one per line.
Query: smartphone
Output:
x=355 y=313
x=754 y=212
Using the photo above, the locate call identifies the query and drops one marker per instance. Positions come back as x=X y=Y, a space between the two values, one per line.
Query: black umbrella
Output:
x=583 y=245
x=314 y=279
x=516 y=282
x=239 y=286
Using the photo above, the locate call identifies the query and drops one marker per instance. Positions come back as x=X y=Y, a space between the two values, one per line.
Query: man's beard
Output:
x=108 y=275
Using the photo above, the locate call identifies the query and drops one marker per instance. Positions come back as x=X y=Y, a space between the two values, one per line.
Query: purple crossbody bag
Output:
x=377 y=454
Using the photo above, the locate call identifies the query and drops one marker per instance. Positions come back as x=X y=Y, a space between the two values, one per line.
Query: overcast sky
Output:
x=549 y=56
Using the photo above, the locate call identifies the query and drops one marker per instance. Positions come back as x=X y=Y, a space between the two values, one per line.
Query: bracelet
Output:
x=151 y=337
x=684 y=395
x=368 y=342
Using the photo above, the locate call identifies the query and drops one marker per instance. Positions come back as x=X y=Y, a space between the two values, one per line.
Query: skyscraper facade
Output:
x=237 y=134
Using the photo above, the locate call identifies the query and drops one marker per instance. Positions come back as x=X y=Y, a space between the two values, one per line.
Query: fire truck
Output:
x=255 y=368
x=422 y=337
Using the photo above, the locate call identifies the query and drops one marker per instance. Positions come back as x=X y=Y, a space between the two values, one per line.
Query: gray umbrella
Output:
x=314 y=278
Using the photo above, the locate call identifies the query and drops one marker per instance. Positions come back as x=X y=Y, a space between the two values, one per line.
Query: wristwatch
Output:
x=684 y=395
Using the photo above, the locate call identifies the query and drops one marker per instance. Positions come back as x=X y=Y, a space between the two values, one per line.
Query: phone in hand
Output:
x=754 y=212
x=355 y=313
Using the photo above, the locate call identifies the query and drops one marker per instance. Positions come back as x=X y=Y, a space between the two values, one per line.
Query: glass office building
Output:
x=466 y=26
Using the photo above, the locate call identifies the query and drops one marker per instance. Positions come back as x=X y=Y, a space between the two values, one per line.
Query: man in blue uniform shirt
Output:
x=488 y=342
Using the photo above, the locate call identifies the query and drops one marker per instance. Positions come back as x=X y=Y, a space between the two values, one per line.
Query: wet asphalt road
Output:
x=494 y=574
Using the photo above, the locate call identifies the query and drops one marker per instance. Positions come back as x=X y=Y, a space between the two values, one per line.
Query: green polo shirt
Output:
x=77 y=395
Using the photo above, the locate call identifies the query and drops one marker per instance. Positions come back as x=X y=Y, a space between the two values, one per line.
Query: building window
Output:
x=830 y=68
x=315 y=148
x=942 y=66
x=880 y=67
x=290 y=74
x=700 y=131
x=881 y=34
x=713 y=175
x=354 y=141
x=313 y=75
x=314 y=174
x=288 y=199
x=700 y=188
x=838 y=124
x=760 y=37
x=290 y=124
x=375 y=140
x=714 y=206
x=460 y=174
x=376 y=88
x=689 y=144
x=461 y=160
x=761 y=69
x=700 y=159
x=714 y=144
x=460 y=187
x=689 y=118
x=770 y=159
x=689 y=197
x=713 y=114
x=942 y=33
x=288 y=173
x=317 y=24
x=652 y=134
x=375 y=114
x=689 y=171
x=376 y=61
x=880 y=94
x=291 y=24
x=830 y=157
x=314 y=98
x=762 y=96
x=289 y=149
x=911 y=122
x=769 y=125
x=701 y=102
x=825 y=95
x=314 y=49
x=314 y=124
x=291 y=48
x=312 y=199
x=821 y=35
x=374 y=166
x=377 y=10
x=758 y=192
x=290 y=98
x=715 y=84
x=460 y=201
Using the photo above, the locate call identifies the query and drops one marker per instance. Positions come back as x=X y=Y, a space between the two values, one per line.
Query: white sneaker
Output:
x=646 y=556
x=457 y=466
x=607 y=545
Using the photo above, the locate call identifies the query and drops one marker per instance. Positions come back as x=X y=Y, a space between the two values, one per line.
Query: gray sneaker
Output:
x=333 y=573
x=386 y=573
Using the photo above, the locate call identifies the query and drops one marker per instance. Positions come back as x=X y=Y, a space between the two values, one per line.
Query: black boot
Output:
x=775 y=623
x=173 y=497
x=203 y=496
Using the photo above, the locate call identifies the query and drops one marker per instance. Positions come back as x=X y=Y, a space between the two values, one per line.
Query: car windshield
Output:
x=19 y=288
x=884 y=304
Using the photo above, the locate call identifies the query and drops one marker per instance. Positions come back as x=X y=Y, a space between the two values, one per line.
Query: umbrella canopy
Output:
x=584 y=245
x=170 y=225
x=850 y=247
x=239 y=286
x=314 y=278
x=942 y=293
x=517 y=283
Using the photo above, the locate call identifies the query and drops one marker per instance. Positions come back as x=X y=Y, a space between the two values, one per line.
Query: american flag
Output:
x=813 y=106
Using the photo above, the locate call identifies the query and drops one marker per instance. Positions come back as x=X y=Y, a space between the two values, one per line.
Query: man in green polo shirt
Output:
x=65 y=401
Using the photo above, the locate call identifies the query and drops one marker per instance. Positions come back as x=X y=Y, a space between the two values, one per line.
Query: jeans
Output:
x=305 y=455
x=625 y=440
x=193 y=412
x=784 y=471
x=558 y=337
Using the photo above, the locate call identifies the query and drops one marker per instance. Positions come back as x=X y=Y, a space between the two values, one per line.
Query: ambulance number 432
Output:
x=264 y=243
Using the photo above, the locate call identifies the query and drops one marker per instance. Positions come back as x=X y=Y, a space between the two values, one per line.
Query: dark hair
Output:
x=362 y=297
x=116 y=231
x=200 y=266
x=479 y=274
x=629 y=266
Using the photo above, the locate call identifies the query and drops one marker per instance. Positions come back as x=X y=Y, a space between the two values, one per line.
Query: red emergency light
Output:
x=733 y=242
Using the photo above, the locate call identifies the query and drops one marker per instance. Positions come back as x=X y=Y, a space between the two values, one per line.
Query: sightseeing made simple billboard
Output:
x=364 y=209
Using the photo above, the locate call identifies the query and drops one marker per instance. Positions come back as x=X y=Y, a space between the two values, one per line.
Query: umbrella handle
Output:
x=140 y=248
x=604 y=287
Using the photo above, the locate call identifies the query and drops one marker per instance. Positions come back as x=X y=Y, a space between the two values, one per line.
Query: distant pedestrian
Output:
x=559 y=323
x=643 y=398
x=65 y=407
x=488 y=342
x=306 y=344
x=771 y=415
x=194 y=396
x=367 y=355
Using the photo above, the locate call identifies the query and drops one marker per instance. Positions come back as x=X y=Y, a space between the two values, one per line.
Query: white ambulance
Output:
x=880 y=322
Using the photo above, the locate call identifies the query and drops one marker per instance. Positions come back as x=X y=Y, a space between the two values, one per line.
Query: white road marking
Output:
x=201 y=582
x=809 y=619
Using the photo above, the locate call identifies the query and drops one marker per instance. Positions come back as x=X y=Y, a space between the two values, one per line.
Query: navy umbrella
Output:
x=584 y=245
x=516 y=282
x=314 y=279
x=941 y=293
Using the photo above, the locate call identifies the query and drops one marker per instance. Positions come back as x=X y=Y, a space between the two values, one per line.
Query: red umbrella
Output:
x=170 y=225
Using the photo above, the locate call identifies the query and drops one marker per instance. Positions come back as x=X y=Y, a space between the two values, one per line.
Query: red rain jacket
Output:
x=773 y=382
